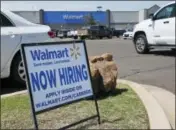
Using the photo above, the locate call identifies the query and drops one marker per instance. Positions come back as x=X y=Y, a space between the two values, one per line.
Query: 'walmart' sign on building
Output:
x=72 y=17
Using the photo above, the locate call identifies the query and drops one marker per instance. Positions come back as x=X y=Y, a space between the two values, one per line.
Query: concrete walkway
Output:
x=167 y=101
x=159 y=103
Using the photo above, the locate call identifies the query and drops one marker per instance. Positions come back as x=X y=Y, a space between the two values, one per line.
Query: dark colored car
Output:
x=95 y=31
x=122 y=32
x=115 y=32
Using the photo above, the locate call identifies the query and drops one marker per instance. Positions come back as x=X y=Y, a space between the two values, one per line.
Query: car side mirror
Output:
x=152 y=16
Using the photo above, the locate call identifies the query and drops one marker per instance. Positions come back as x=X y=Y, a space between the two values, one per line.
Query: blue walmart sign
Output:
x=74 y=17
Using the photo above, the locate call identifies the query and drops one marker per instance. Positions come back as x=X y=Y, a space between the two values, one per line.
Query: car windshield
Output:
x=130 y=30
x=18 y=20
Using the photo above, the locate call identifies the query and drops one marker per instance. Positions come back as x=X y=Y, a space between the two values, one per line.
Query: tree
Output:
x=89 y=19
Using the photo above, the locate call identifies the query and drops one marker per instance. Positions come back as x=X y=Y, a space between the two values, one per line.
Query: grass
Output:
x=121 y=110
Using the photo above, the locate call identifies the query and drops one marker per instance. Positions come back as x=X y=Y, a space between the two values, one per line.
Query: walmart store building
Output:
x=76 y=19
x=72 y=19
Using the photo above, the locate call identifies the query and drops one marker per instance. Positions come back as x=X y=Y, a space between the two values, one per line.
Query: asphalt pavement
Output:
x=156 y=68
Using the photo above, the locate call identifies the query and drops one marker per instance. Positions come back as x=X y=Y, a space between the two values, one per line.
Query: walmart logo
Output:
x=75 y=52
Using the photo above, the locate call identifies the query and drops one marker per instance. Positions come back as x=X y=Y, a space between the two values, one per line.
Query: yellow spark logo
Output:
x=75 y=52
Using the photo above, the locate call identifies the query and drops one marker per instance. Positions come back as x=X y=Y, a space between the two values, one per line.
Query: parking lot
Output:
x=156 y=68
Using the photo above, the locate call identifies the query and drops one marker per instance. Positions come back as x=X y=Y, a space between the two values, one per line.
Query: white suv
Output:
x=16 y=30
x=157 y=31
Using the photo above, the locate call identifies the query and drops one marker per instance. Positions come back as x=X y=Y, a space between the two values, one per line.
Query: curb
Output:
x=156 y=115
x=167 y=102
x=12 y=94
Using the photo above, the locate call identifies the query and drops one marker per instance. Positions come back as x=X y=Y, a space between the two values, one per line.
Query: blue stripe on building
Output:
x=73 y=17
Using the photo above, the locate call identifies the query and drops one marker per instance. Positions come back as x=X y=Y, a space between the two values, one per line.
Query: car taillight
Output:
x=51 y=34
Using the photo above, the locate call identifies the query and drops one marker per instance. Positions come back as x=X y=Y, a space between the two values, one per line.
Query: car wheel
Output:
x=110 y=36
x=91 y=37
x=75 y=37
x=173 y=49
x=18 y=70
x=100 y=37
x=141 y=44
x=82 y=37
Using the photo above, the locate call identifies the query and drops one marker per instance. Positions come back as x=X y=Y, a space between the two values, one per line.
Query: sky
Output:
x=79 y=5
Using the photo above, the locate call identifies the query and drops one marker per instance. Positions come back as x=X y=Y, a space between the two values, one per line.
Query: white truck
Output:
x=158 y=31
x=16 y=30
